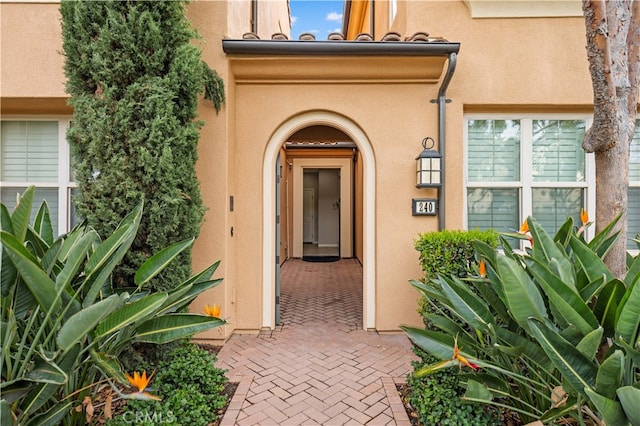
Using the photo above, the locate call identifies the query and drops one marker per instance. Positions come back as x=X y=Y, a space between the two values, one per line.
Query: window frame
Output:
x=64 y=184
x=526 y=184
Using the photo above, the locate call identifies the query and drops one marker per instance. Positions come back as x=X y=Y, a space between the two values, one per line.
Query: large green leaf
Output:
x=590 y=344
x=576 y=368
x=42 y=223
x=545 y=249
x=610 y=411
x=77 y=256
x=607 y=305
x=168 y=328
x=45 y=371
x=53 y=415
x=22 y=213
x=6 y=419
x=129 y=314
x=156 y=263
x=610 y=375
x=108 y=254
x=466 y=304
x=589 y=261
x=40 y=285
x=526 y=346
x=8 y=272
x=628 y=314
x=522 y=296
x=36 y=398
x=563 y=297
x=437 y=344
x=633 y=271
x=80 y=324
x=629 y=397
x=109 y=365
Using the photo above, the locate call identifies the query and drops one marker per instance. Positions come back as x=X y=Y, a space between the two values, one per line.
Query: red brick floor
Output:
x=318 y=367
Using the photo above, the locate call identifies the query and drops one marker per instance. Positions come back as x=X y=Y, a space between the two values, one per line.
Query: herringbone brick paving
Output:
x=318 y=367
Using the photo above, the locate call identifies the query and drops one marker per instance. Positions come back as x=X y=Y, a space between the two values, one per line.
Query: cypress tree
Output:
x=134 y=79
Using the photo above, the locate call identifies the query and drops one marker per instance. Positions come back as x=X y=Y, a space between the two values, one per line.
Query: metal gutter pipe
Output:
x=339 y=48
x=442 y=101
x=254 y=16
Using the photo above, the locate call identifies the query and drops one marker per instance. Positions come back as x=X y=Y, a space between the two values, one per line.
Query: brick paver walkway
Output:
x=319 y=367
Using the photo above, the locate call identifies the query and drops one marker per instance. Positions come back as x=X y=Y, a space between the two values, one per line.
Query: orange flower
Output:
x=462 y=360
x=141 y=381
x=212 y=311
x=584 y=216
x=524 y=228
x=482 y=268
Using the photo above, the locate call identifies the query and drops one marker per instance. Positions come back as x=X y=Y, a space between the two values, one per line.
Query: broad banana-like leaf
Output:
x=522 y=296
x=81 y=323
x=168 y=328
x=606 y=306
x=563 y=234
x=437 y=344
x=6 y=419
x=53 y=415
x=178 y=298
x=22 y=213
x=108 y=254
x=429 y=291
x=156 y=263
x=445 y=324
x=590 y=343
x=532 y=350
x=490 y=295
x=77 y=257
x=590 y=290
x=602 y=242
x=129 y=313
x=564 y=298
x=42 y=223
x=576 y=368
x=45 y=371
x=628 y=314
x=40 y=285
x=632 y=352
x=109 y=366
x=629 y=397
x=204 y=275
x=15 y=389
x=477 y=392
x=610 y=410
x=610 y=375
x=633 y=271
x=466 y=304
x=590 y=262
x=35 y=399
x=546 y=250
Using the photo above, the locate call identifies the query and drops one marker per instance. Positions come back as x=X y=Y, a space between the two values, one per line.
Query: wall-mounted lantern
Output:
x=428 y=166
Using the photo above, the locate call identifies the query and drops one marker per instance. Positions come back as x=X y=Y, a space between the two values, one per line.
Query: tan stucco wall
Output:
x=504 y=65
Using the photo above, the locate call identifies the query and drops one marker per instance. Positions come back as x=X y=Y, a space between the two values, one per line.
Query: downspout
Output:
x=442 y=101
x=254 y=16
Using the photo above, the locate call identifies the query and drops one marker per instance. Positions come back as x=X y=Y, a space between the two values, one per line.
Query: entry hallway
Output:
x=319 y=367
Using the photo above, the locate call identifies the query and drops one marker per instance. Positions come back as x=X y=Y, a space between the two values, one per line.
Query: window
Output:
x=633 y=215
x=35 y=152
x=535 y=166
x=519 y=167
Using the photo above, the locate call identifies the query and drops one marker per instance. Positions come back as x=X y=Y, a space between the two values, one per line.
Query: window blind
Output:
x=493 y=151
x=557 y=154
x=29 y=151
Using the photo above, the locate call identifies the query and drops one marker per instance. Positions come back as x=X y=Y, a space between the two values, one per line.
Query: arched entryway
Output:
x=278 y=138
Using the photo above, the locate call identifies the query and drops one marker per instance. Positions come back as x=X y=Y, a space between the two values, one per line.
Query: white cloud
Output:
x=294 y=19
x=313 y=31
x=334 y=16
x=337 y=30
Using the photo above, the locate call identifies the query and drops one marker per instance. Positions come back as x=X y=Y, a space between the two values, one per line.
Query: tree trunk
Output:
x=613 y=36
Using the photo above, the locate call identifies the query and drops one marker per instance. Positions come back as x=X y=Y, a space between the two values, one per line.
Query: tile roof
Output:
x=419 y=36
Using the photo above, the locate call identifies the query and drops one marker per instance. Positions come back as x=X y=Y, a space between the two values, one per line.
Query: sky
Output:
x=320 y=17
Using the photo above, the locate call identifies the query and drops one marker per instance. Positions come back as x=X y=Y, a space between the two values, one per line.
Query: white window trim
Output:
x=63 y=183
x=526 y=184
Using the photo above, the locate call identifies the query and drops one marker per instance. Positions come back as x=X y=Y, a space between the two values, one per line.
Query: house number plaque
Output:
x=424 y=207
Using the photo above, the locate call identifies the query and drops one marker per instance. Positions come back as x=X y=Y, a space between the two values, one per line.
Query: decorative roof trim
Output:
x=338 y=48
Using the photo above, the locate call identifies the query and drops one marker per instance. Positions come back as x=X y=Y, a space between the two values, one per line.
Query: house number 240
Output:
x=424 y=207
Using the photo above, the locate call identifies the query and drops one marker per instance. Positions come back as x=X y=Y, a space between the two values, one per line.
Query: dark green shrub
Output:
x=135 y=78
x=437 y=400
x=191 y=387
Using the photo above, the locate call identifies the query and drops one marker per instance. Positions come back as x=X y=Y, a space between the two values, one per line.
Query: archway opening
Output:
x=326 y=141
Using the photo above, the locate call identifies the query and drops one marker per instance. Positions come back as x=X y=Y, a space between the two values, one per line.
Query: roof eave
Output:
x=338 y=48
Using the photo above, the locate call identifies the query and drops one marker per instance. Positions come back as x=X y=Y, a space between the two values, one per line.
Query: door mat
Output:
x=320 y=258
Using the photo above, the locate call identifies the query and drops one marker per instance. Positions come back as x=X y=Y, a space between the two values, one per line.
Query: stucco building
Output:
x=317 y=142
